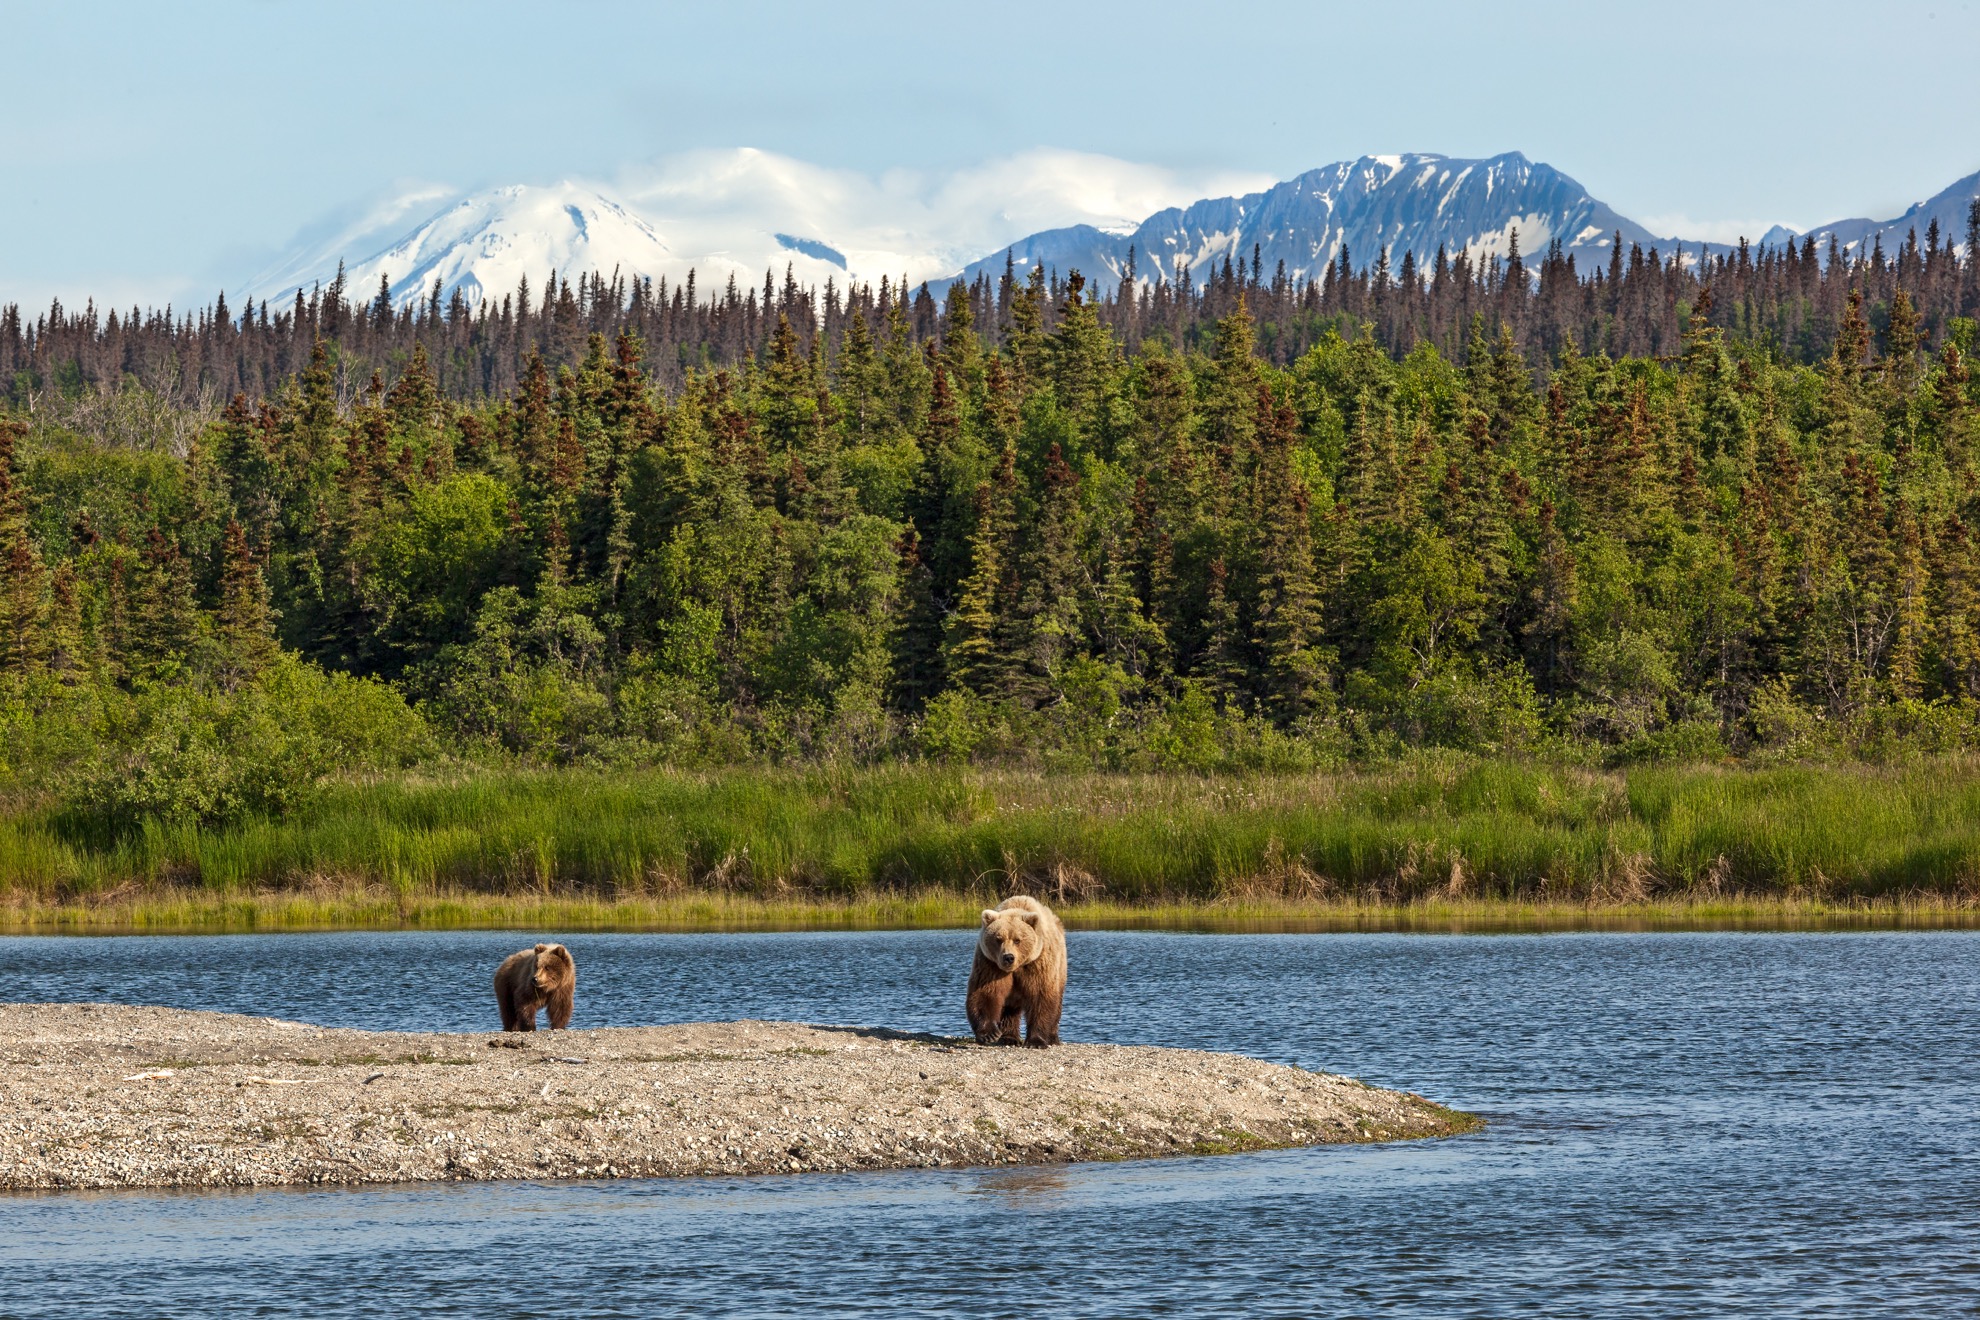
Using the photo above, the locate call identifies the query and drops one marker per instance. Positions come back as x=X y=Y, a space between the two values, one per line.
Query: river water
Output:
x=1680 y=1124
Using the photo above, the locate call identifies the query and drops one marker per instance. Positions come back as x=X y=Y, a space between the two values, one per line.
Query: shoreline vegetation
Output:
x=192 y=912
x=1435 y=843
x=1491 y=601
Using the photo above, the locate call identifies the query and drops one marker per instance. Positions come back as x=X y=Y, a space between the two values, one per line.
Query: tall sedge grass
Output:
x=1433 y=832
x=371 y=908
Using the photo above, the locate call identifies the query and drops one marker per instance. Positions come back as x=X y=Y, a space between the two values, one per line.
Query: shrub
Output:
x=1784 y=727
x=1487 y=710
x=200 y=755
x=528 y=682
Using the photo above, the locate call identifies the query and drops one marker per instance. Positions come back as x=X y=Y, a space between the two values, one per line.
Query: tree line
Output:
x=1789 y=299
x=1048 y=537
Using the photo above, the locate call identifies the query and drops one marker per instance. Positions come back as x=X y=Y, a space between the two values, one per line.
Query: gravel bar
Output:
x=107 y=1096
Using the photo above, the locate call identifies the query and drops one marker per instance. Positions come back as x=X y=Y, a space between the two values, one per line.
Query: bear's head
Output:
x=553 y=966
x=1010 y=937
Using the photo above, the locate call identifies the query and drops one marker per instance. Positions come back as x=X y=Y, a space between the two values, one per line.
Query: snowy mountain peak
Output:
x=1415 y=202
x=737 y=215
x=729 y=213
x=486 y=243
x=490 y=242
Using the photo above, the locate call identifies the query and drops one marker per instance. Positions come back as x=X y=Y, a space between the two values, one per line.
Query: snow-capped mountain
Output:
x=1417 y=203
x=491 y=241
x=741 y=214
x=1411 y=203
x=723 y=213
x=488 y=243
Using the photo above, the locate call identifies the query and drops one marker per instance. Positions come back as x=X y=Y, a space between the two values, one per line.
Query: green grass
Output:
x=1438 y=840
x=204 y=911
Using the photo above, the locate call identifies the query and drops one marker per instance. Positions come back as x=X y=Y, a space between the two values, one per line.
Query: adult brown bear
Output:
x=1020 y=971
x=542 y=977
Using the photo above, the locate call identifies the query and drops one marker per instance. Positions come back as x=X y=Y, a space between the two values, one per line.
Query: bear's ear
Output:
x=541 y=947
x=989 y=915
x=1032 y=919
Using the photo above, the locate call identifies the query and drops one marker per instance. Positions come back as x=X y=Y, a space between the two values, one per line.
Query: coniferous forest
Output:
x=1791 y=301
x=1671 y=511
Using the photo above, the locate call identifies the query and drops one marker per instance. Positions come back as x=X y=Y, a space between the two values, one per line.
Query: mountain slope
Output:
x=490 y=242
x=734 y=212
x=1949 y=207
x=487 y=243
x=1411 y=203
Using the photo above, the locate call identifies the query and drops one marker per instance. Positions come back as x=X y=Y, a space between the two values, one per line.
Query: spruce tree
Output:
x=23 y=643
x=962 y=352
x=1229 y=401
x=246 y=626
x=918 y=669
x=1053 y=575
x=69 y=654
x=858 y=377
x=1901 y=344
x=1908 y=607
x=246 y=469
x=1852 y=338
x=789 y=408
x=414 y=400
x=166 y=636
x=23 y=639
x=972 y=656
x=535 y=436
x=312 y=430
x=1224 y=666
x=1287 y=630
x=1552 y=598
x=1079 y=357
x=979 y=654
x=1025 y=346
x=1955 y=608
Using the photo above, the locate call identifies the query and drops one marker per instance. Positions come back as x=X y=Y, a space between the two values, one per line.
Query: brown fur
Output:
x=1020 y=971
x=538 y=978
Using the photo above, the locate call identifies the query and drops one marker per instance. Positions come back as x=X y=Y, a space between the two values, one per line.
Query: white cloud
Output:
x=739 y=213
x=350 y=233
x=920 y=223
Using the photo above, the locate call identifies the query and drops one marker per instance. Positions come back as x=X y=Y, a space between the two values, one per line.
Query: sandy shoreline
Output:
x=106 y=1096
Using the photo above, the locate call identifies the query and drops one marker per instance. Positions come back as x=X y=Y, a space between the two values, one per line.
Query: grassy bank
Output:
x=922 y=845
x=184 y=911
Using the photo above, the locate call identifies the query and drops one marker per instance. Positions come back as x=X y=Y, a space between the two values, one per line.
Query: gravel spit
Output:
x=106 y=1096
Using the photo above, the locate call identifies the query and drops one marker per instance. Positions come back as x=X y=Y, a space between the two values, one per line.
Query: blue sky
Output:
x=159 y=151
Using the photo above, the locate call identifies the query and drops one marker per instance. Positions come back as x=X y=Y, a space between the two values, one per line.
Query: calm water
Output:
x=1682 y=1125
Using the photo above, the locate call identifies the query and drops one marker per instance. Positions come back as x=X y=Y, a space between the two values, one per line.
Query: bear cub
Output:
x=542 y=977
x=1020 y=971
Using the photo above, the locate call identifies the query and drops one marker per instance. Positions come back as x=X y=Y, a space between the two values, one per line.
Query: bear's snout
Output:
x=1007 y=958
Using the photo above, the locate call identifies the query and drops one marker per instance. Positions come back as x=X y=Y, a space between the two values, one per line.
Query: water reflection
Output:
x=1033 y=1188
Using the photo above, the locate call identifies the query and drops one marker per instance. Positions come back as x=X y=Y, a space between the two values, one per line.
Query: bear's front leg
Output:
x=1041 y=1027
x=987 y=1017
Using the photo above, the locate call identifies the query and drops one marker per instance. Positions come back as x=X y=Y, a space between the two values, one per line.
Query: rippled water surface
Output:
x=1680 y=1125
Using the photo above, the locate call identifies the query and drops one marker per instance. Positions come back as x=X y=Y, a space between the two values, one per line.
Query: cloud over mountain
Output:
x=741 y=213
x=724 y=213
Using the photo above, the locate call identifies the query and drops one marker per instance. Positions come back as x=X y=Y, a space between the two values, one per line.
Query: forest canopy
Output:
x=1247 y=525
